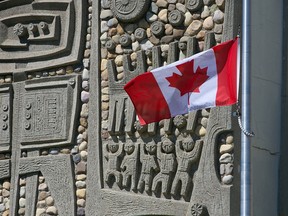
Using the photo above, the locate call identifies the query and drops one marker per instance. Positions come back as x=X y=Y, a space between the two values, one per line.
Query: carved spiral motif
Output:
x=20 y=30
x=28 y=116
x=157 y=28
x=129 y=10
x=194 y=5
x=4 y=126
x=110 y=45
x=5 y=107
x=125 y=6
x=4 y=117
x=140 y=34
x=125 y=40
x=28 y=106
x=176 y=18
x=27 y=126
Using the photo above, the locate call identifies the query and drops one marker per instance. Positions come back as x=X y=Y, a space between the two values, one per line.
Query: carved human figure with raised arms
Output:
x=188 y=154
x=113 y=153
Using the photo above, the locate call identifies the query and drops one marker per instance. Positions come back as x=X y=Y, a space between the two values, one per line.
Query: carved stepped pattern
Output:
x=42 y=114
x=43 y=34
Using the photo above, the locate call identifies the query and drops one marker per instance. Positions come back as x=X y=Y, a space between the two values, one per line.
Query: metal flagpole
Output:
x=245 y=208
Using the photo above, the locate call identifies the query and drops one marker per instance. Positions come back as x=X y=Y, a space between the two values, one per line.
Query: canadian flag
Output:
x=204 y=80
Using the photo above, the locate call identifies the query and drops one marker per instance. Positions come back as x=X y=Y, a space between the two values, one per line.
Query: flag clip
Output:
x=238 y=114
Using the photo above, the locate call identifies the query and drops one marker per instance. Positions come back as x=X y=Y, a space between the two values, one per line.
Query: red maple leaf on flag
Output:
x=190 y=81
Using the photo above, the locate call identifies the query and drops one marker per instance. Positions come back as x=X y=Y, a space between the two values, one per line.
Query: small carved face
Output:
x=188 y=144
x=113 y=147
x=129 y=147
x=167 y=146
x=150 y=147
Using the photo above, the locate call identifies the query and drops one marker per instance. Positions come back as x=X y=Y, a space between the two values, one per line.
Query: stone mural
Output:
x=43 y=53
x=178 y=166
x=62 y=61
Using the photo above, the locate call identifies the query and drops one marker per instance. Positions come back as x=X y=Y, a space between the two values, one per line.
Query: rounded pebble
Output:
x=226 y=158
x=84 y=96
x=52 y=210
x=76 y=158
x=227 y=179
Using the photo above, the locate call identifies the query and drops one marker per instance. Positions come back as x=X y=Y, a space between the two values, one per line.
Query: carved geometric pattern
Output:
x=46 y=117
x=5 y=117
x=48 y=113
x=58 y=172
x=4 y=169
x=42 y=34
x=119 y=101
x=47 y=108
x=129 y=10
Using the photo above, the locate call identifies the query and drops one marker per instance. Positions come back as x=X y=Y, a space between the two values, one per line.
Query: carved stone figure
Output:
x=186 y=157
x=167 y=162
x=129 y=164
x=149 y=164
x=113 y=152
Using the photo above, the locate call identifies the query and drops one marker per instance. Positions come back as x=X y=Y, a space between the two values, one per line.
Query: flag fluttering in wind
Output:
x=204 y=80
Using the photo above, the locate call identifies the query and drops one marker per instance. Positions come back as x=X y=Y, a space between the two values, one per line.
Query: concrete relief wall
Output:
x=179 y=166
x=55 y=57
x=44 y=49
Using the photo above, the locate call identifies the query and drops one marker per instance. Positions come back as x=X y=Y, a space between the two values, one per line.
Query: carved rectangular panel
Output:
x=5 y=117
x=48 y=111
x=5 y=169
x=46 y=119
x=42 y=34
